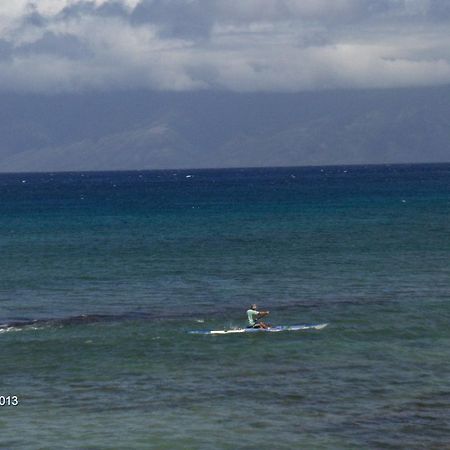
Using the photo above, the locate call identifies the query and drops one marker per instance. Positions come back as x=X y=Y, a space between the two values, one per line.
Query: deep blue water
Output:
x=103 y=274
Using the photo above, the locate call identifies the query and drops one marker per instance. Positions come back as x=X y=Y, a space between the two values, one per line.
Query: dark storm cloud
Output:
x=90 y=8
x=33 y=17
x=177 y=18
x=239 y=45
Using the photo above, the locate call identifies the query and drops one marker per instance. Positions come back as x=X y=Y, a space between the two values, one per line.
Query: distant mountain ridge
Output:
x=147 y=130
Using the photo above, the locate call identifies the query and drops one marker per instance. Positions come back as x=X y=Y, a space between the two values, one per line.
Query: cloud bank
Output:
x=238 y=45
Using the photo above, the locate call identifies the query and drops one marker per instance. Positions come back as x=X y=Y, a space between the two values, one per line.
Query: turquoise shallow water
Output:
x=117 y=267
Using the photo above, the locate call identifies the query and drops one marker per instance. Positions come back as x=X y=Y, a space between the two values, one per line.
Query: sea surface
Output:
x=103 y=274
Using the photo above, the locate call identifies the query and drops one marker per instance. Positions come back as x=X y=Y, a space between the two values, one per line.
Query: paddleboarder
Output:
x=254 y=317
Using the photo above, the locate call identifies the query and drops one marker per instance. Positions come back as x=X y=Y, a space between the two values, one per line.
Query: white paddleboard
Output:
x=277 y=329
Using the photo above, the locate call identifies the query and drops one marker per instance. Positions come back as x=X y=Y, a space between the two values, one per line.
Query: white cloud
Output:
x=240 y=45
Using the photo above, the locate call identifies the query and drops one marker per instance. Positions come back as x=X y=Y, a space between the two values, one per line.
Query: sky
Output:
x=53 y=46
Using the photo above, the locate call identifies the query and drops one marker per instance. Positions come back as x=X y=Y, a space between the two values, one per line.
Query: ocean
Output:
x=103 y=275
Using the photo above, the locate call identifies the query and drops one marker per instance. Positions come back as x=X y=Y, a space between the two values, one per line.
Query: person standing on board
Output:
x=254 y=317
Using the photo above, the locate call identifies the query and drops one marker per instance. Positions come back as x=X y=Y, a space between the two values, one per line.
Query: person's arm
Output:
x=262 y=314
